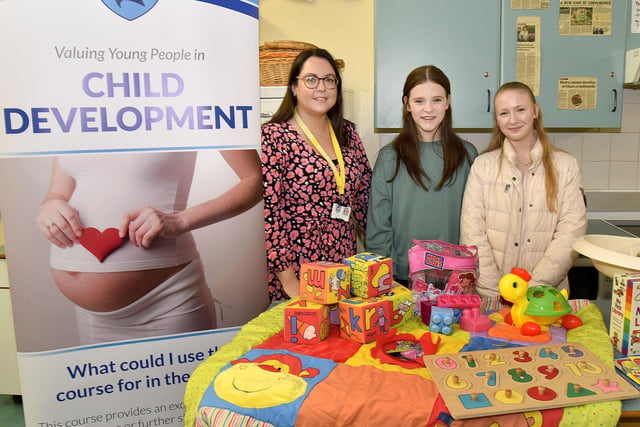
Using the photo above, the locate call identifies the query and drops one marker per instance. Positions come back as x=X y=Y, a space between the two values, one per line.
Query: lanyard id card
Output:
x=340 y=212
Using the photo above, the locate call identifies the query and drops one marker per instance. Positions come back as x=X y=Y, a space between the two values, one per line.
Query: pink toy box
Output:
x=371 y=274
x=306 y=322
x=437 y=267
x=624 y=328
x=325 y=282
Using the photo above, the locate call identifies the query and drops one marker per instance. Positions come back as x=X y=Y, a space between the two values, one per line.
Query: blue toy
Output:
x=442 y=319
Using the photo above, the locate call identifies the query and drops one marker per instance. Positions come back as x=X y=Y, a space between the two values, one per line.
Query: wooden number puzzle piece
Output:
x=509 y=397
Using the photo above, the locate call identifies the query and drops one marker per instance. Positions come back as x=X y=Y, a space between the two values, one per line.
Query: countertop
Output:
x=623 y=205
x=604 y=226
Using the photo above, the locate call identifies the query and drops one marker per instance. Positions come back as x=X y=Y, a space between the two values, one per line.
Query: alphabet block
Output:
x=325 y=282
x=371 y=274
x=306 y=322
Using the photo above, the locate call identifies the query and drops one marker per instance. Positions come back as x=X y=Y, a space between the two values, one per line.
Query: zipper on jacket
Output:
x=523 y=219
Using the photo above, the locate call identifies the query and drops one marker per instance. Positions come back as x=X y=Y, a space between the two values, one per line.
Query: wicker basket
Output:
x=276 y=58
x=275 y=65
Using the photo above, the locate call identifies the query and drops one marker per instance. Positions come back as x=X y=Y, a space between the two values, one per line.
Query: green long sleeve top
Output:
x=400 y=211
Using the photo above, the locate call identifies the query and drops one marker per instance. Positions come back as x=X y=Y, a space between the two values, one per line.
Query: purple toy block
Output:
x=425 y=311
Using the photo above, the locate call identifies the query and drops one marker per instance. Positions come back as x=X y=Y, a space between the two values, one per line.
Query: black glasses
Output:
x=312 y=81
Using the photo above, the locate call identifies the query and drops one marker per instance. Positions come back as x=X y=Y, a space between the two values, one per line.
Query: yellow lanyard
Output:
x=338 y=173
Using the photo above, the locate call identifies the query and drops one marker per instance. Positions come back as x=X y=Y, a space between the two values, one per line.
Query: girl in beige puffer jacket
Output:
x=523 y=203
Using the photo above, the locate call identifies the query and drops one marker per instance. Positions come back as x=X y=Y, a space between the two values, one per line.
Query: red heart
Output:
x=101 y=243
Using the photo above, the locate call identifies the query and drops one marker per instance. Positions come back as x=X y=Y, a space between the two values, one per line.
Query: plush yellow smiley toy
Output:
x=267 y=381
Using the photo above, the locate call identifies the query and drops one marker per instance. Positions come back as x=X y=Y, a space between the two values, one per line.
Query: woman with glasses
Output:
x=419 y=178
x=316 y=175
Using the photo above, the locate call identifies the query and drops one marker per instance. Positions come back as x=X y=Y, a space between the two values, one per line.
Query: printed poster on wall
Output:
x=577 y=93
x=585 y=17
x=528 y=51
x=635 y=17
x=130 y=199
x=530 y=4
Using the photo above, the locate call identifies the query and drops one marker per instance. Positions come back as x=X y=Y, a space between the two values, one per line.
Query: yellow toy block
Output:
x=371 y=274
x=402 y=302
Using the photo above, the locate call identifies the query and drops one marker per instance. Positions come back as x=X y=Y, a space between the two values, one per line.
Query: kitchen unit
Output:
x=568 y=56
x=412 y=33
x=270 y=99
x=475 y=44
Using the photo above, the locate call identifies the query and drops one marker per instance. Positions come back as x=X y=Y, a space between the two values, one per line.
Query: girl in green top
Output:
x=419 y=178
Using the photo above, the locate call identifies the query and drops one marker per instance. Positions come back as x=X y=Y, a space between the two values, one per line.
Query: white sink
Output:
x=610 y=254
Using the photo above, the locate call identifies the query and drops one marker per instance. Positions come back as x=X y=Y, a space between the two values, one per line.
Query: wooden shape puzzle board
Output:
x=517 y=379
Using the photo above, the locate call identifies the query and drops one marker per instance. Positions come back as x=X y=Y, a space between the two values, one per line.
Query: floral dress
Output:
x=299 y=191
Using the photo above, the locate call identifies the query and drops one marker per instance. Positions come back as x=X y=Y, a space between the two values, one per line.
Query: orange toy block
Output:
x=371 y=274
x=306 y=322
x=325 y=282
x=364 y=319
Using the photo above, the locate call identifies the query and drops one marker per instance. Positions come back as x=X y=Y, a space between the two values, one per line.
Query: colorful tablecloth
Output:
x=340 y=382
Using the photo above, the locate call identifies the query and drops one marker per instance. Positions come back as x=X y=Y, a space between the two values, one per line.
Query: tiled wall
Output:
x=610 y=161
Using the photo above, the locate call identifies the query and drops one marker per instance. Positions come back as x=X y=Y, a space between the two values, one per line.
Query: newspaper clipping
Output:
x=528 y=52
x=585 y=17
x=530 y=4
x=577 y=93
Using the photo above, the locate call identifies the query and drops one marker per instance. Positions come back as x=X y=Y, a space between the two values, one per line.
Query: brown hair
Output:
x=407 y=143
x=497 y=141
x=289 y=103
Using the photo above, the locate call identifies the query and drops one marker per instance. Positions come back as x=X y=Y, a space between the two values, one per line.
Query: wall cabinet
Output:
x=599 y=56
x=474 y=43
x=461 y=37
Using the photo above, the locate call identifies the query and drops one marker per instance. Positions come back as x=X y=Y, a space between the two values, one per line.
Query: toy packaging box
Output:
x=325 y=282
x=371 y=274
x=440 y=268
x=624 y=328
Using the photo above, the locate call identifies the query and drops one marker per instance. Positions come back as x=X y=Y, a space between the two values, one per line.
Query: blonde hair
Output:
x=497 y=141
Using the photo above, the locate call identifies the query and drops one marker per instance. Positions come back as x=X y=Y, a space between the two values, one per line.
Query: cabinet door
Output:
x=599 y=56
x=461 y=37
